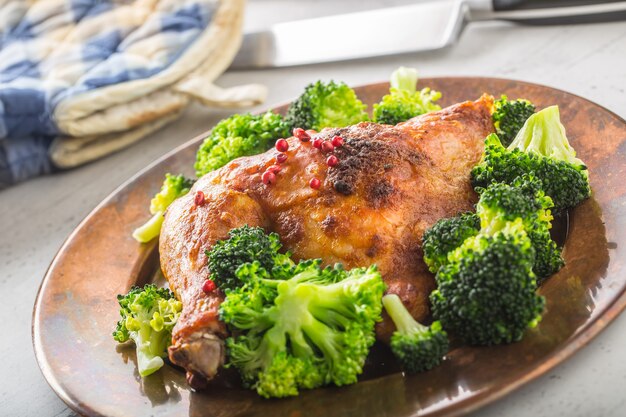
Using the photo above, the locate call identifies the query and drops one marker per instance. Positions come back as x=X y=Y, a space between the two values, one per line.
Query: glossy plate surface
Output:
x=76 y=309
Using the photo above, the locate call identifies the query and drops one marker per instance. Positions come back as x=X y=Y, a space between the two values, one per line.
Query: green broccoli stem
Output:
x=149 y=345
x=294 y=304
x=404 y=79
x=270 y=283
x=159 y=341
x=304 y=276
x=405 y=323
x=150 y=229
x=273 y=342
x=173 y=187
x=297 y=300
x=543 y=134
x=331 y=296
x=322 y=337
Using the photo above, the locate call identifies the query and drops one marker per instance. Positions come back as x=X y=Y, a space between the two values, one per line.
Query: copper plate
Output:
x=76 y=308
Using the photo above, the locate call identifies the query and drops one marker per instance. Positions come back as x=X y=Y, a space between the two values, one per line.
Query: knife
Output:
x=423 y=26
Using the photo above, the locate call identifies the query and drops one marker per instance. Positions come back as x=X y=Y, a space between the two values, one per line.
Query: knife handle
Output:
x=547 y=12
x=501 y=5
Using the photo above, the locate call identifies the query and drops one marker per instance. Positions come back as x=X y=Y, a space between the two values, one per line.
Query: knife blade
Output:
x=389 y=31
x=424 y=26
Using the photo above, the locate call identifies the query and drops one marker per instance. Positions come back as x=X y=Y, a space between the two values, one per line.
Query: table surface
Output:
x=37 y=216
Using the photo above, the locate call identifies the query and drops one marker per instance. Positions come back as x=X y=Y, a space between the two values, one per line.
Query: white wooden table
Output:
x=35 y=217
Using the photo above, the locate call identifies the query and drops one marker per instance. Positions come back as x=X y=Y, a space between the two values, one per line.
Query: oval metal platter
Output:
x=76 y=308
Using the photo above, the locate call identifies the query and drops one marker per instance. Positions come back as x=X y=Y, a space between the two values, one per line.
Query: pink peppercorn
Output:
x=282 y=145
x=301 y=134
x=208 y=286
x=315 y=183
x=268 y=178
x=327 y=147
x=199 y=198
x=274 y=168
x=337 y=141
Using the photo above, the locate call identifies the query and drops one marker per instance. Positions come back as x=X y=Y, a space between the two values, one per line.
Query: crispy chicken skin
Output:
x=392 y=183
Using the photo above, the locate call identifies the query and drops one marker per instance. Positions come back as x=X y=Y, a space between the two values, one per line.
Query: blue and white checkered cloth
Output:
x=55 y=52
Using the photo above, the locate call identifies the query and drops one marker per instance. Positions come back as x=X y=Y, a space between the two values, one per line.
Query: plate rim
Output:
x=462 y=407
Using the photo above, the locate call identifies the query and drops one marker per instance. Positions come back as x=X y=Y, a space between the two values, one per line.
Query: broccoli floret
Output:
x=174 y=186
x=509 y=117
x=542 y=150
x=312 y=329
x=403 y=101
x=486 y=294
x=245 y=244
x=524 y=199
x=331 y=104
x=445 y=236
x=239 y=135
x=148 y=316
x=417 y=347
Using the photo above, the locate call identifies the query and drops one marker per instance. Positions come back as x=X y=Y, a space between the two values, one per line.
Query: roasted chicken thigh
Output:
x=390 y=185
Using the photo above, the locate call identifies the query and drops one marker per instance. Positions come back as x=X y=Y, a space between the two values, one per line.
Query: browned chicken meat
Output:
x=391 y=184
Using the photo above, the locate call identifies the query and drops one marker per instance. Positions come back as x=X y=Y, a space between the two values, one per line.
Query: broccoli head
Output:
x=245 y=244
x=445 y=236
x=312 y=329
x=148 y=316
x=174 y=186
x=239 y=135
x=417 y=347
x=540 y=149
x=403 y=101
x=524 y=199
x=509 y=116
x=331 y=104
x=486 y=294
